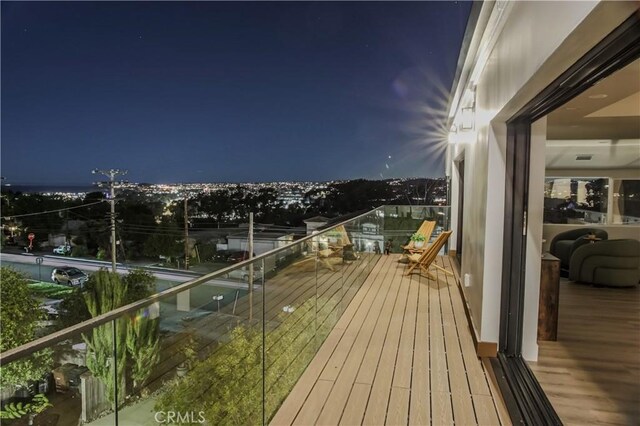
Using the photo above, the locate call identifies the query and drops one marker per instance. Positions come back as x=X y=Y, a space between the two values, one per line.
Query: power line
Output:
x=51 y=211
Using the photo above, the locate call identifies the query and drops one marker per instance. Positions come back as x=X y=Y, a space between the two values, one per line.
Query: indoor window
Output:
x=575 y=200
x=626 y=201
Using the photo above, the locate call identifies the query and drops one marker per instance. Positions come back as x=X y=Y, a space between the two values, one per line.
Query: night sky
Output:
x=226 y=92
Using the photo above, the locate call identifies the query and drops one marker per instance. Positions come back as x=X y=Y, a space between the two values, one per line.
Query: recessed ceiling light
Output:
x=599 y=96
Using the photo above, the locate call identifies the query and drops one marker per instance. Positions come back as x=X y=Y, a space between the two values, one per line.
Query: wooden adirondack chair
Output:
x=425 y=260
x=425 y=229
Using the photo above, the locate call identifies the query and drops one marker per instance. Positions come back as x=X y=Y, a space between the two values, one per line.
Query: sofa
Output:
x=614 y=263
x=565 y=243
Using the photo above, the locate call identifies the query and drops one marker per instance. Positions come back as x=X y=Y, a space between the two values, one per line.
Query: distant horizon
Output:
x=90 y=184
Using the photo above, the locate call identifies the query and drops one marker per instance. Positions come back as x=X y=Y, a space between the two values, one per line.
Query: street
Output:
x=201 y=297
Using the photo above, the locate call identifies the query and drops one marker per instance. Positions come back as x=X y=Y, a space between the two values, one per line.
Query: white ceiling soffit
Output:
x=627 y=107
x=610 y=109
x=488 y=28
x=595 y=154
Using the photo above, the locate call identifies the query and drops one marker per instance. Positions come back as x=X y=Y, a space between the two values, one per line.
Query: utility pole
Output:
x=250 y=250
x=186 y=237
x=111 y=174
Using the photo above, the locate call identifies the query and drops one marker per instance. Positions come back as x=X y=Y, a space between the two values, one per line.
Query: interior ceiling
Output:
x=602 y=123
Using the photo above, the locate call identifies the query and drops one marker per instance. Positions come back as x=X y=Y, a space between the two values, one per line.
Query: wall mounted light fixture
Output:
x=468 y=118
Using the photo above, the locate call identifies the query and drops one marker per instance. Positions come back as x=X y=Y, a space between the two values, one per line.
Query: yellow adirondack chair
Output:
x=425 y=229
x=425 y=260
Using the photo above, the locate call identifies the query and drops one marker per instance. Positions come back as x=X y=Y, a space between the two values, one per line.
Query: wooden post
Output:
x=549 y=298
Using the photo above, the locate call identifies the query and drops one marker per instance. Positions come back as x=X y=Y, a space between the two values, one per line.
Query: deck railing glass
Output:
x=206 y=351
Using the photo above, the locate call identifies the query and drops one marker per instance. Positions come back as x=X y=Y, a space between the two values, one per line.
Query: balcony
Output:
x=330 y=331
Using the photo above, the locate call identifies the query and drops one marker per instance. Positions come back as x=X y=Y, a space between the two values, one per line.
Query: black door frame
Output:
x=525 y=399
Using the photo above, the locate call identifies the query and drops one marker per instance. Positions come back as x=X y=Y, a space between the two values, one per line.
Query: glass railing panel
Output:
x=329 y=280
x=71 y=382
x=227 y=350
x=401 y=222
x=367 y=236
x=199 y=355
x=290 y=321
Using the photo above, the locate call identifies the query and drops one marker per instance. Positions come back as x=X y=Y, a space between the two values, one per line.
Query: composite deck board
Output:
x=311 y=409
x=420 y=403
x=344 y=349
x=289 y=409
x=438 y=360
x=367 y=371
x=380 y=392
x=404 y=360
x=401 y=354
x=356 y=404
x=485 y=410
x=591 y=374
x=344 y=382
x=460 y=395
x=398 y=413
x=475 y=373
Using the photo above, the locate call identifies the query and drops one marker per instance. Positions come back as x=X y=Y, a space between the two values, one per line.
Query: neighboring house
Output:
x=313 y=223
x=263 y=242
x=368 y=237
x=519 y=89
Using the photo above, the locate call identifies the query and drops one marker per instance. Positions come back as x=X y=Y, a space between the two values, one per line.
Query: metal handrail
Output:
x=49 y=340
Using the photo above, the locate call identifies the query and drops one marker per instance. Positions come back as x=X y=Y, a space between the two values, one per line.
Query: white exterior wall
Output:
x=539 y=40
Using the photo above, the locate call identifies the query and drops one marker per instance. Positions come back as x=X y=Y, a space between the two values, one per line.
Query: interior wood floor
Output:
x=401 y=354
x=591 y=374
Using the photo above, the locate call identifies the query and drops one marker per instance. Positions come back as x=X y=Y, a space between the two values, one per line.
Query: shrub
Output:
x=227 y=385
x=79 y=251
x=19 y=317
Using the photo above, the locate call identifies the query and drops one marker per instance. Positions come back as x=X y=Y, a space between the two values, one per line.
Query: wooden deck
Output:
x=591 y=374
x=401 y=354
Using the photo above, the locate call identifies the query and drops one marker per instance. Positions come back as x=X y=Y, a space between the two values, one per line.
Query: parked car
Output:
x=243 y=274
x=221 y=255
x=238 y=256
x=63 y=250
x=68 y=275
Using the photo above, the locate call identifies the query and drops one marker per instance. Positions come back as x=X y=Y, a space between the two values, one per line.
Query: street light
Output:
x=218 y=298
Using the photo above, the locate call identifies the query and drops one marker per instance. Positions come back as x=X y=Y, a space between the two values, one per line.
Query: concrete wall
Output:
x=538 y=41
